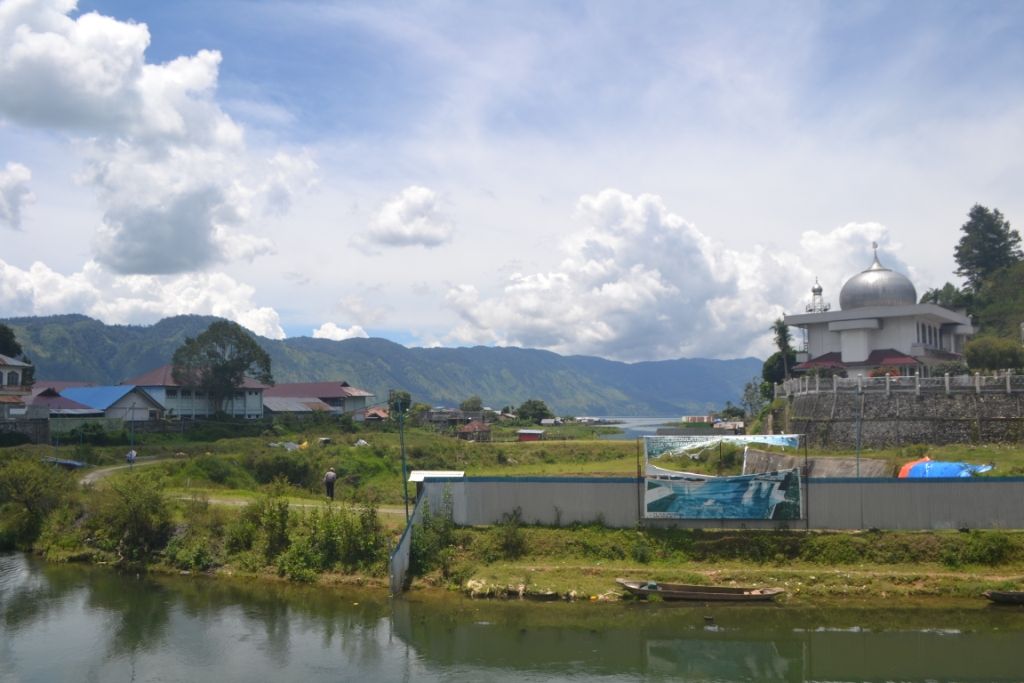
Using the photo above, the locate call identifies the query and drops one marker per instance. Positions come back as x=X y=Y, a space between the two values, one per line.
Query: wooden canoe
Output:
x=681 y=591
x=1005 y=597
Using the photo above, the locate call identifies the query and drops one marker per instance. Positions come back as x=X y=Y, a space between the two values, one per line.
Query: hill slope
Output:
x=75 y=347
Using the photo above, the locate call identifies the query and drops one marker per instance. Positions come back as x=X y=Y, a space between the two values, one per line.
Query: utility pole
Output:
x=400 y=402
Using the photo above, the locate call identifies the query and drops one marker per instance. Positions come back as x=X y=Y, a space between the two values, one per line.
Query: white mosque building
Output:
x=879 y=325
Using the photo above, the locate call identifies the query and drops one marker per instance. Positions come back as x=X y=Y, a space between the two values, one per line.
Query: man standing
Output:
x=329 y=479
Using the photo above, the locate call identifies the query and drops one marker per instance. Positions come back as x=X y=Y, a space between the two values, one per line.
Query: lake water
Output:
x=636 y=427
x=68 y=623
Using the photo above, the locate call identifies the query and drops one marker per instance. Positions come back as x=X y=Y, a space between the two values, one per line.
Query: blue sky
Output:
x=635 y=181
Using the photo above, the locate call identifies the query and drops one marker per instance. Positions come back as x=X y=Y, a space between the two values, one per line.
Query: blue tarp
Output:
x=937 y=469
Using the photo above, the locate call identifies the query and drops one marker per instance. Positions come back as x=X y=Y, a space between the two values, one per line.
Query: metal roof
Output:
x=317 y=389
x=877 y=286
x=104 y=397
x=287 y=404
x=13 y=362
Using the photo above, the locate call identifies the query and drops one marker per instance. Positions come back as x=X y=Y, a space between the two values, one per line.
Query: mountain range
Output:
x=76 y=347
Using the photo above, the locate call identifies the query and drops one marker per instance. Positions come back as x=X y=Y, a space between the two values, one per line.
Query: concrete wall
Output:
x=889 y=503
x=542 y=500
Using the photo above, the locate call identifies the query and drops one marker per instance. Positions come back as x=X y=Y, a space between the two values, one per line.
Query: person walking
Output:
x=329 y=480
x=130 y=458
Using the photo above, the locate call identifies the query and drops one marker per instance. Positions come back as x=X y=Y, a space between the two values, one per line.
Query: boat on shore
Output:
x=682 y=591
x=1005 y=597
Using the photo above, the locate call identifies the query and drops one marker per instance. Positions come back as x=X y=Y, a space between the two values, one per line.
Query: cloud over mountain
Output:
x=639 y=282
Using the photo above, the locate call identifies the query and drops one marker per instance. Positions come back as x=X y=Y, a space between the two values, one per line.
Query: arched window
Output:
x=13 y=379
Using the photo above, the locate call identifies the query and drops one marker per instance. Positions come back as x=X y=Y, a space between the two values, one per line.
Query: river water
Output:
x=69 y=623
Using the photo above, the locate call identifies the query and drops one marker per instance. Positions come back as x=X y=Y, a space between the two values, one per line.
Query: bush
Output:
x=29 y=491
x=835 y=549
x=509 y=535
x=978 y=547
x=331 y=537
x=129 y=517
x=431 y=537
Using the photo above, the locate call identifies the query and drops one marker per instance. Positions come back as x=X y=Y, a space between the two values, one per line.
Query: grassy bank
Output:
x=243 y=506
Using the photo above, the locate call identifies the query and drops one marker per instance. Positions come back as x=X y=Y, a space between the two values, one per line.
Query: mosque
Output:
x=880 y=326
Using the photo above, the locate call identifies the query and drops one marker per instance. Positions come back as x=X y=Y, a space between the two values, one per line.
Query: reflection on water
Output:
x=81 y=623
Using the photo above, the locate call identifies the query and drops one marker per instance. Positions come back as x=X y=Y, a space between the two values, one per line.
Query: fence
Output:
x=1005 y=383
x=398 y=563
x=829 y=503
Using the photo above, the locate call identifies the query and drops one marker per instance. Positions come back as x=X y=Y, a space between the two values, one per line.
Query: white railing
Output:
x=1001 y=382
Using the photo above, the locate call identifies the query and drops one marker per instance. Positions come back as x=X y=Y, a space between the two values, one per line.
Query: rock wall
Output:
x=830 y=420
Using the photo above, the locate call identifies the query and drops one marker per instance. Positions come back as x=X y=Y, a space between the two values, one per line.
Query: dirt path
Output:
x=97 y=474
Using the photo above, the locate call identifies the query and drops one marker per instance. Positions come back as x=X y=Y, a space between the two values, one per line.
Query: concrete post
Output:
x=947 y=384
x=888 y=377
x=917 y=382
x=860 y=384
x=817 y=383
x=835 y=384
x=1007 y=381
x=977 y=382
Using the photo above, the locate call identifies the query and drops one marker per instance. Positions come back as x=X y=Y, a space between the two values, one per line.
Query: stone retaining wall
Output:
x=830 y=420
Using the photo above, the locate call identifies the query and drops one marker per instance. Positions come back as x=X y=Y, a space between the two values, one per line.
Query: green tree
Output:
x=987 y=246
x=753 y=399
x=731 y=412
x=218 y=361
x=534 y=410
x=948 y=296
x=399 y=401
x=473 y=404
x=9 y=345
x=774 y=371
x=993 y=353
x=784 y=342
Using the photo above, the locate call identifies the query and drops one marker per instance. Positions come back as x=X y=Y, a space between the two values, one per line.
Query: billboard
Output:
x=673 y=494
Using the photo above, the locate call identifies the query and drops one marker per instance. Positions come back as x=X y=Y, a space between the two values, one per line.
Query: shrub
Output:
x=835 y=549
x=511 y=540
x=978 y=547
x=129 y=517
x=29 y=491
x=434 y=533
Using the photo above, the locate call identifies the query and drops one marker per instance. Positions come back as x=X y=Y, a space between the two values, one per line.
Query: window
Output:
x=172 y=393
x=12 y=378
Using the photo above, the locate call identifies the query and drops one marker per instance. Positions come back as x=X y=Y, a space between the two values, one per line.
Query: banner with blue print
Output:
x=671 y=494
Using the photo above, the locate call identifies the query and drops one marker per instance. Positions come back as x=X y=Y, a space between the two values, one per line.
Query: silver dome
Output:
x=877 y=286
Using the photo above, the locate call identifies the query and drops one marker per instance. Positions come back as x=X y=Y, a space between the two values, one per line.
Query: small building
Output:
x=477 y=430
x=530 y=434
x=340 y=397
x=13 y=374
x=373 y=414
x=121 y=401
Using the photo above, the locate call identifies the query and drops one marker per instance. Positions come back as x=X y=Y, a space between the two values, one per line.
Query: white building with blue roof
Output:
x=123 y=401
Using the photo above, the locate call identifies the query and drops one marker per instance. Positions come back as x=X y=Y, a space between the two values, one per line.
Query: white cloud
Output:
x=331 y=331
x=411 y=218
x=639 y=282
x=172 y=169
x=14 y=193
x=132 y=299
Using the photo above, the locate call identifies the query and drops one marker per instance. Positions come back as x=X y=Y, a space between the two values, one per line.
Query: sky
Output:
x=636 y=181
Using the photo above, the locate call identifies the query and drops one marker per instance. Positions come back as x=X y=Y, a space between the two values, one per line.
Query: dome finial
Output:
x=876 y=264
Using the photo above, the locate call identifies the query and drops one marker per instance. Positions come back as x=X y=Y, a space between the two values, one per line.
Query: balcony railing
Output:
x=1003 y=383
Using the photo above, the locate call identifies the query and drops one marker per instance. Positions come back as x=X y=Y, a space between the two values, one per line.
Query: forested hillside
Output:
x=75 y=347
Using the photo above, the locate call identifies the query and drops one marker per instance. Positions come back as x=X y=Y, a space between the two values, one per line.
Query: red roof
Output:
x=163 y=376
x=878 y=358
x=474 y=426
x=57 y=385
x=54 y=401
x=832 y=359
x=318 y=389
x=889 y=357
